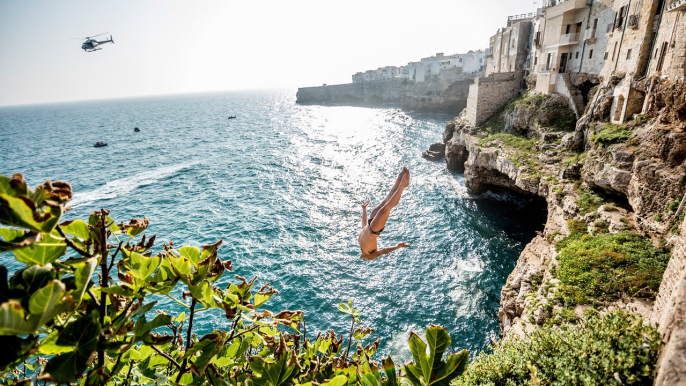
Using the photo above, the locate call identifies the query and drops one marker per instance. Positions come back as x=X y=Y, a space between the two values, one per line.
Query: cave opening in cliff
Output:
x=615 y=198
x=519 y=215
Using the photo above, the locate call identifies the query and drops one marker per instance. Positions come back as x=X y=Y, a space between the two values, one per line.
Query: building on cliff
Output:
x=569 y=46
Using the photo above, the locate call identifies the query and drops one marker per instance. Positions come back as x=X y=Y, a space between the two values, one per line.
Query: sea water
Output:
x=282 y=185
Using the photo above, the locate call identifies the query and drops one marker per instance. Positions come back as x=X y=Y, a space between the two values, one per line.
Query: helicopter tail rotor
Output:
x=111 y=40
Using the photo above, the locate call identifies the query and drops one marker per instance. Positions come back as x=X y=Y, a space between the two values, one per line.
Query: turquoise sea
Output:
x=281 y=185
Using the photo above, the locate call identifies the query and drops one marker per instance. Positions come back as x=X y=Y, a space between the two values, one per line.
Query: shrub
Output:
x=608 y=266
x=589 y=201
x=612 y=133
x=62 y=325
x=596 y=352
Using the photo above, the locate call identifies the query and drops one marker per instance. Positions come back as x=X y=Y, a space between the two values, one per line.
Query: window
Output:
x=577 y=55
x=549 y=62
x=569 y=26
x=606 y=54
x=590 y=54
x=628 y=54
x=614 y=51
x=535 y=60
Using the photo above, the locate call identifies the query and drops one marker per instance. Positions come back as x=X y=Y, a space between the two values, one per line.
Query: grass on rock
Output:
x=611 y=134
x=608 y=266
x=595 y=352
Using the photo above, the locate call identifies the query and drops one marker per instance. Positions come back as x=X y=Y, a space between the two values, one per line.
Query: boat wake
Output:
x=125 y=185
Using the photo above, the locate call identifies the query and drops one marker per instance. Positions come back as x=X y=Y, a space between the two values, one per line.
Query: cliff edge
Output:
x=612 y=190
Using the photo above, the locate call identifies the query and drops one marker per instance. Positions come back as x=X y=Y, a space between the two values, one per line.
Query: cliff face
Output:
x=434 y=95
x=599 y=180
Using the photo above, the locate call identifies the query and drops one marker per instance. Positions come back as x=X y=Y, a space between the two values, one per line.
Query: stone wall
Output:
x=673 y=274
x=669 y=313
x=672 y=36
x=448 y=96
x=490 y=94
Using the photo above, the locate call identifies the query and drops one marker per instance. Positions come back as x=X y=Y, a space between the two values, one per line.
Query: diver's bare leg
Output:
x=390 y=194
x=379 y=221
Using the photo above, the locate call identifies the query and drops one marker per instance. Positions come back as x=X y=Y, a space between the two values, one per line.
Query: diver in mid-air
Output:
x=372 y=227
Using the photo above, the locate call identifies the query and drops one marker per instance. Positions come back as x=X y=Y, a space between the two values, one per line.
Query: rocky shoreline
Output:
x=633 y=175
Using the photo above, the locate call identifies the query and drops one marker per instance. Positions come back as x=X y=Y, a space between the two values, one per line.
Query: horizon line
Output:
x=143 y=96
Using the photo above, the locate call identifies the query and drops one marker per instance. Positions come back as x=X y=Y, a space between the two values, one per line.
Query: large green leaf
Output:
x=207 y=347
x=204 y=293
x=38 y=211
x=142 y=328
x=78 y=228
x=48 y=346
x=418 y=349
x=14 y=239
x=142 y=266
x=82 y=276
x=81 y=334
x=191 y=253
x=50 y=248
x=44 y=305
x=273 y=373
x=430 y=369
x=391 y=374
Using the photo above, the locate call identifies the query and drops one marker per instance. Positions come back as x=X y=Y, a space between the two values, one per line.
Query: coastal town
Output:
x=565 y=47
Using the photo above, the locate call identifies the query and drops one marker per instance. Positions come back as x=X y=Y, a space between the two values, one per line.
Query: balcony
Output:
x=564 y=7
x=676 y=5
x=569 y=39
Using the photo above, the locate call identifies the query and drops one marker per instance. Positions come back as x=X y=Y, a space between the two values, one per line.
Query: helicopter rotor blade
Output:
x=98 y=35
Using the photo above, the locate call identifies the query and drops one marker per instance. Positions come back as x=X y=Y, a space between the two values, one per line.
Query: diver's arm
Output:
x=384 y=251
x=364 y=214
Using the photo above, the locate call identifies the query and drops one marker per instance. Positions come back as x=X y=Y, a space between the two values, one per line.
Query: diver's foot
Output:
x=405 y=182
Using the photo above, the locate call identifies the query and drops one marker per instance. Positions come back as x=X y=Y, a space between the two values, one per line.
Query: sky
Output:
x=175 y=47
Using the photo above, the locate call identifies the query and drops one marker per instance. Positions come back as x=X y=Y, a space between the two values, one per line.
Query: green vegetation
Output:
x=60 y=324
x=674 y=205
x=608 y=266
x=595 y=352
x=610 y=208
x=601 y=227
x=612 y=133
x=510 y=140
x=588 y=201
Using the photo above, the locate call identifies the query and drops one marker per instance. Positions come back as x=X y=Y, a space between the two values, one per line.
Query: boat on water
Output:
x=100 y=144
x=136 y=130
x=232 y=117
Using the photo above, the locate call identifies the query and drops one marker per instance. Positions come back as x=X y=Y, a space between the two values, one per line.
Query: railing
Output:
x=676 y=5
x=567 y=39
x=633 y=21
x=522 y=16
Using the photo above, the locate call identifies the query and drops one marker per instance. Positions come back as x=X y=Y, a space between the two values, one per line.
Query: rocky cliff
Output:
x=612 y=192
x=433 y=95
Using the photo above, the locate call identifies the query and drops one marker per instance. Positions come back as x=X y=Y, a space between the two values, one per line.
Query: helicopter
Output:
x=91 y=45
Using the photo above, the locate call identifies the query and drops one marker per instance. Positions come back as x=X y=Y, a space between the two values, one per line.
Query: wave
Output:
x=128 y=184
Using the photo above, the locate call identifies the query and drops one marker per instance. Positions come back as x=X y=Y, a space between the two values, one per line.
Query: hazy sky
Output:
x=166 y=47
